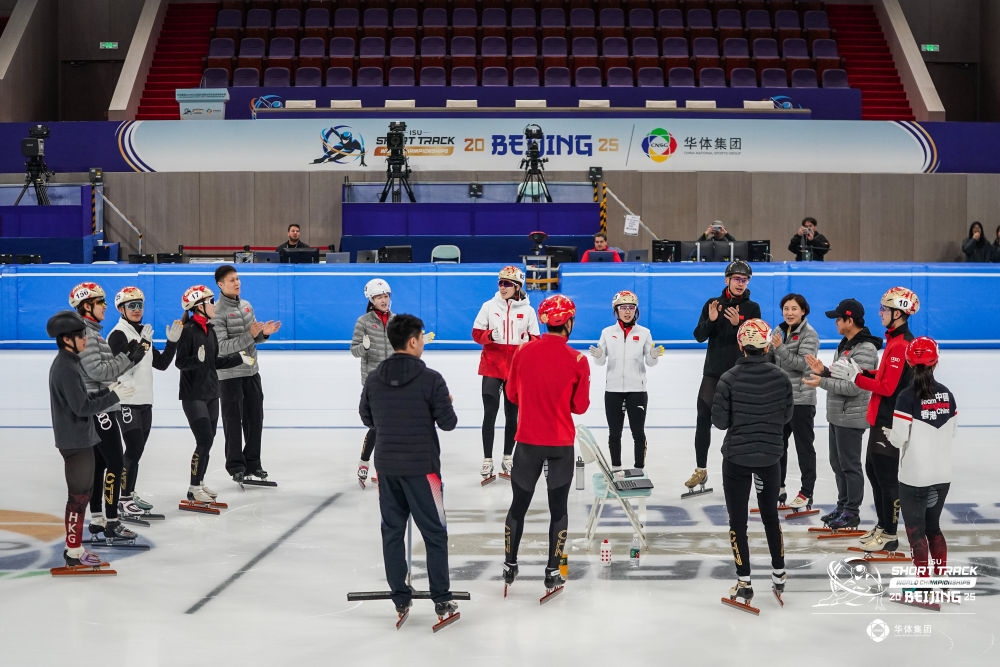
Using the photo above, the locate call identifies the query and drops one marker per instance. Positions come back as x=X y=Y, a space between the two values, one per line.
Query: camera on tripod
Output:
x=533 y=163
x=36 y=172
x=397 y=169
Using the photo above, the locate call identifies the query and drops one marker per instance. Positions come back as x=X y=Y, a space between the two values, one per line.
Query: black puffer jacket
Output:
x=199 y=379
x=721 y=334
x=403 y=400
x=753 y=402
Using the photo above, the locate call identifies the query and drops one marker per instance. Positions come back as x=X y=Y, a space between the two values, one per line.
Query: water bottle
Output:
x=579 y=473
x=633 y=552
x=606 y=554
x=564 y=566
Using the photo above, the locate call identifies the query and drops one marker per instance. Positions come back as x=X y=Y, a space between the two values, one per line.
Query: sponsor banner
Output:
x=484 y=142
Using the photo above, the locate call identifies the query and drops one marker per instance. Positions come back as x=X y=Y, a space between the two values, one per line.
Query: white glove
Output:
x=496 y=335
x=845 y=369
x=147 y=333
x=888 y=433
x=595 y=352
x=366 y=342
x=174 y=331
x=201 y=354
x=656 y=352
x=428 y=337
x=123 y=392
x=247 y=359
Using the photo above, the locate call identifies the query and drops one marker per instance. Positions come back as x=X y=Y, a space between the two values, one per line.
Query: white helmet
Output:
x=375 y=287
x=902 y=299
x=754 y=333
x=625 y=298
x=196 y=294
x=512 y=273
x=85 y=291
x=127 y=294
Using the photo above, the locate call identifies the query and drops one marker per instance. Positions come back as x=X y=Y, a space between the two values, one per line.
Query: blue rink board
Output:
x=318 y=304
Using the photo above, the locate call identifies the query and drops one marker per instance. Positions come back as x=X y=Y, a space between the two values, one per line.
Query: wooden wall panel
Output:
x=628 y=185
x=173 y=214
x=670 y=204
x=280 y=199
x=227 y=208
x=128 y=192
x=834 y=200
x=778 y=202
x=940 y=219
x=886 y=218
x=723 y=195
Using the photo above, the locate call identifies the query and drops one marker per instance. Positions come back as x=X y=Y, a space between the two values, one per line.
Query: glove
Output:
x=366 y=342
x=496 y=335
x=147 y=333
x=428 y=337
x=174 y=331
x=595 y=352
x=201 y=354
x=657 y=351
x=123 y=392
x=135 y=351
x=845 y=369
x=247 y=359
x=888 y=432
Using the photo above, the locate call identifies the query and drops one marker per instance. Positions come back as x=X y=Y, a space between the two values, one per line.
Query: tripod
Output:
x=397 y=174
x=37 y=175
x=534 y=184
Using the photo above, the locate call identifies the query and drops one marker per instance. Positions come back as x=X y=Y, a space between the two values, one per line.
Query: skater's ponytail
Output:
x=923 y=382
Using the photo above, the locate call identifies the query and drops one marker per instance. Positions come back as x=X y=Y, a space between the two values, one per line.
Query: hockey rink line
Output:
x=215 y=592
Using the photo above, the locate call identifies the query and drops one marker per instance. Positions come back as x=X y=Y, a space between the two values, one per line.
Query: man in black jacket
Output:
x=753 y=402
x=720 y=317
x=808 y=245
x=402 y=400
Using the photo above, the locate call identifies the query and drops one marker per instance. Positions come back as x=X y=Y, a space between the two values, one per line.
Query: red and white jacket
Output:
x=891 y=377
x=501 y=327
x=627 y=352
x=923 y=431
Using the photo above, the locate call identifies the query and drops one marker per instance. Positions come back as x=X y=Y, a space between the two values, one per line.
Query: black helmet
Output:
x=739 y=266
x=64 y=322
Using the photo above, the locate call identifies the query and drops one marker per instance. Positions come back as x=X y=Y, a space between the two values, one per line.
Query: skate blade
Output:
x=839 y=534
x=505 y=587
x=203 y=508
x=692 y=493
x=880 y=556
x=82 y=570
x=259 y=482
x=488 y=480
x=551 y=594
x=818 y=529
x=360 y=483
x=402 y=619
x=505 y=476
x=446 y=621
x=800 y=514
x=777 y=596
x=134 y=520
x=104 y=544
x=741 y=606
x=153 y=517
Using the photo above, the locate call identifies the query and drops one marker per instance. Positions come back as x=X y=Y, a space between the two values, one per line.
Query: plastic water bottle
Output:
x=633 y=552
x=564 y=566
x=579 y=473
x=606 y=553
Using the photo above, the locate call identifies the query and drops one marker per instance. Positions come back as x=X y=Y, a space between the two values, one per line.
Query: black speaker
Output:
x=27 y=259
x=395 y=254
x=140 y=259
x=169 y=258
x=758 y=251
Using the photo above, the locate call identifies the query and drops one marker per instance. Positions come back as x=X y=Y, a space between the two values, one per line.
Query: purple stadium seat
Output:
x=340 y=76
x=786 y=24
x=258 y=23
x=402 y=52
x=281 y=52
x=523 y=52
x=804 y=78
x=615 y=52
x=277 y=77
x=671 y=23
x=588 y=77
x=640 y=22
x=758 y=23
x=317 y=22
x=712 y=77
x=493 y=52
x=675 y=53
x=228 y=24
x=730 y=23
x=584 y=52
x=736 y=53
x=650 y=77
x=816 y=25
x=435 y=22
x=221 y=51
x=495 y=76
x=432 y=51
x=246 y=77
x=525 y=77
x=765 y=54
x=557 y=77
x=402 y=76
x=251 y=52
x=218 y=77
x=553 y=22
x=432 y=76
x=287 y=23
x=796 y=53
x=825 y=55
x=699 y=23
x=523 y=22
x=611 y=21
x=463 y=76
x=554 y=52
x=375 y=23
x=371 y=52
x=835 y=78
x=681 y=77
x=705 y=51
x=345 y=22
x=370 y=76
x=463 y=51
x=494 y=22
x=581 y=22
x=342 y=52
x=774 y=77
x=620 y=77
x=404 y=22
x=312 y=52
x=743 y=77
x=308 y=77
x=645 y=52
x=464 y=22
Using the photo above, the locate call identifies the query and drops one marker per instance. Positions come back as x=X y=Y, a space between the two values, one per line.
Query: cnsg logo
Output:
x=659 y=145
x=878 y=630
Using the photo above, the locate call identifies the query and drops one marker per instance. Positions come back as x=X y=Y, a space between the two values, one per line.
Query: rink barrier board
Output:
x=318 y=304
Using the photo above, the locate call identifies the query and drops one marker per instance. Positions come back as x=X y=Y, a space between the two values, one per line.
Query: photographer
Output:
x=976 y=247
x=808 y=244
x=716 y=232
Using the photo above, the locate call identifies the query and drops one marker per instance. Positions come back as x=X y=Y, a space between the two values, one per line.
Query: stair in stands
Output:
x=178 y=60
x=868 y=62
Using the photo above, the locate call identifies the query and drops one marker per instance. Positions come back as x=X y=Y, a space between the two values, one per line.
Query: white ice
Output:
x=287 y=604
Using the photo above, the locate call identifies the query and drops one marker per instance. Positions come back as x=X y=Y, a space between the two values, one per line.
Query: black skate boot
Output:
x=844 y=521
x=447 y=613
x=740 y=596
x=239 y=476
x=554 y=584
x=509 y=574
x=258 y=477
x=827 y=518
x=403 y=610
x=778 y=585
x=782 y=496
x=116 y=533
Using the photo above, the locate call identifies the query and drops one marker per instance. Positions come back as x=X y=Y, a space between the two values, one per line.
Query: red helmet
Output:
x=922 y=351
x=556 y=310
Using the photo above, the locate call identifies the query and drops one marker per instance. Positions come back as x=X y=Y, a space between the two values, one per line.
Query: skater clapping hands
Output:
x=733 y=315
x=713 y=310
x=267 y=328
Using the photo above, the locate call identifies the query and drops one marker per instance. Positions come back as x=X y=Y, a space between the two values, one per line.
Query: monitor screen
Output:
x=740 y=250
x=601 y=256
x=562 y=253
x=300 y=255
x=667 y=251
x=395 y=254
x=759 y=251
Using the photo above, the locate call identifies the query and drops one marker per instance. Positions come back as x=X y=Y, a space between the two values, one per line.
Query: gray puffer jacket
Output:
x=379 y=350
x=847 y=403
x=232 y=321
x=99 y=364
x=791 y=358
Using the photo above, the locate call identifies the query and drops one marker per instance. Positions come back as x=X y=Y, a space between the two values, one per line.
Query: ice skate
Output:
x=778 y=585
x=81 y=562
x=506 y=465
x=509 y=575
x=554 y=584
x=740 y=596
x=881 y=548
x=97 y=525
x=362 y=473
x=829 y=516
x=140 y=503
x=115 y=535
x=129 y=512
x=212 y=494
x=447 y=613
x=258 y=477
x=487 y=472
x=782 y=497
x=801 y=506
x=403 y=613
x=698 y=478
x=198 y=500
x=842 y=525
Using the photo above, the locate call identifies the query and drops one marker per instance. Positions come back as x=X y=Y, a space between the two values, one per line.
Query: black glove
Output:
x=135 y=351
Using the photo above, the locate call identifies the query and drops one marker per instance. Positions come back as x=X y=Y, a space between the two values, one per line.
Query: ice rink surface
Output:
x=266 y=582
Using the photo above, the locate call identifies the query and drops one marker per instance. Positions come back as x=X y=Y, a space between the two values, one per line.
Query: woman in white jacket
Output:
x=627 y=348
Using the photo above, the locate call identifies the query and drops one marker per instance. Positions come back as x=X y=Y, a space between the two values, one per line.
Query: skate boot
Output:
x=782 y=496
x=740 y=596
x=129 y=512
x=80 y=557
x=862 y=544
x=447 y=613
x=778 y=585
x=140 y=503
x=239 y=476
x=362 y=472
x=209 y=492
x=198 y=494
x=801 y=506
x=97 y=525
x=882 y=542
x=554 y=584
x=698 y=478
x=830 y=516
x=509 y=575
x=844 y=521
x=403 y=612
x=487 y=472
x=259 y=473
x=116 y=532
x=506 y=465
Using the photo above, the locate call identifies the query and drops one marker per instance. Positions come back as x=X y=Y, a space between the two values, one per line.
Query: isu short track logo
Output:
x=265 y=102
x=342 y=145
x=659 y=145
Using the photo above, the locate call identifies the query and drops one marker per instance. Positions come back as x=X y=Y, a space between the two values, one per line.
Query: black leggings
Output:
x=736 y=483
x=107 y=466
x=368 y=446
x=135 y=422
x=528 y=463
x=78 y=465
x=703 y=427
x=801 y=427
x=492 y=389
x=616 y=404
x=922 y=507
x=203 y=418
x=883 y=474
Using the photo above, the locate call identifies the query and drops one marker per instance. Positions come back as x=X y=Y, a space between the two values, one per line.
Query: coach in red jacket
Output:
x=549 y=381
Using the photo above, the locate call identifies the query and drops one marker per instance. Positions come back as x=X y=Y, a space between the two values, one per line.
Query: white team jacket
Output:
x=923 y=431
x=139 y=376
x=626 y=356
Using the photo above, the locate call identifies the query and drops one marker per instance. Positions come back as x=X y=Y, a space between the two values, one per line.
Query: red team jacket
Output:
x=548 y=380
x=888 y=380
x=514 y=322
